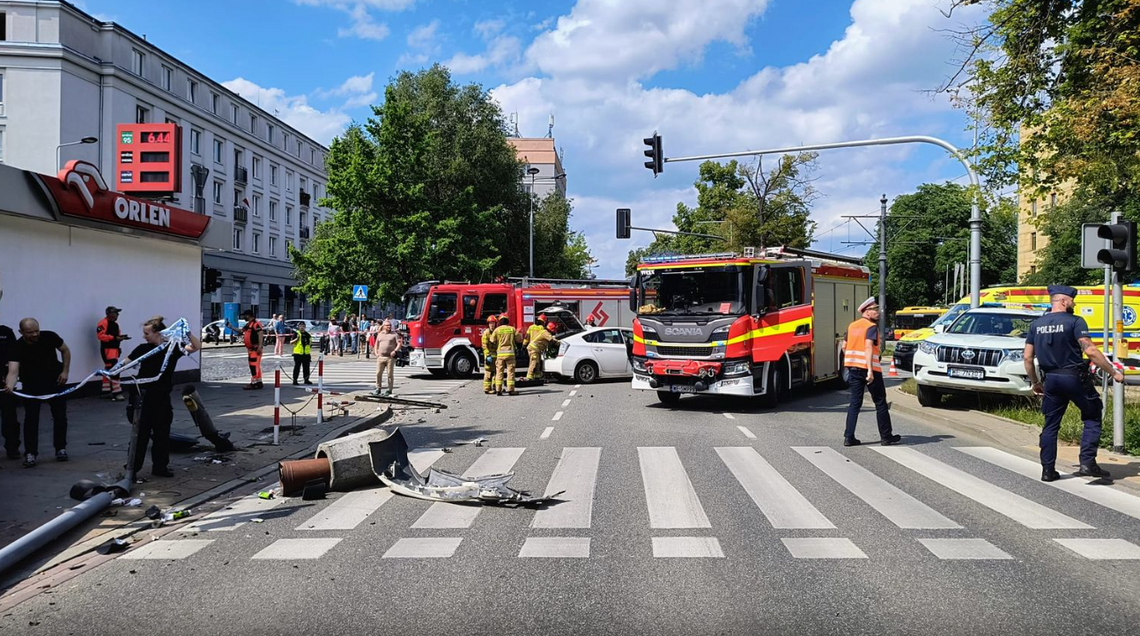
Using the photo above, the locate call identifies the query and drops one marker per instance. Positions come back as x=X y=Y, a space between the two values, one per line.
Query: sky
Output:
x=710 y=76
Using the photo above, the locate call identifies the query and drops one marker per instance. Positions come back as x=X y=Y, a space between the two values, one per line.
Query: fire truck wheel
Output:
x=460 y=364
x=929 y=396
x=668 y=397
x=586 y=372
x=777 y=385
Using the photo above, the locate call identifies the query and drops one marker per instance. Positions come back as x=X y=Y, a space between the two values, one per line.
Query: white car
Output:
x=981 y=351
x=597 y=352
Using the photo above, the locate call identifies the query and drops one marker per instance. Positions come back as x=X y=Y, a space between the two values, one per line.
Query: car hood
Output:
x=979 y=342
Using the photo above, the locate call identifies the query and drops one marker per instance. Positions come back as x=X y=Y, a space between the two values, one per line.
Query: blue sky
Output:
x=709 y=75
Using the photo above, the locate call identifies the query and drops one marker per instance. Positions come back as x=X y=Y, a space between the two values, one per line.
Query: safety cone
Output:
x=892 y=372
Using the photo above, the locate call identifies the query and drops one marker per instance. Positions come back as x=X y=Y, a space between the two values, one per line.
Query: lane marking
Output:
x=289 y=549
x=577 y=386
x=565 y=403
x=179 y=549
x=556 y=547
x=1026 y=512
x=495 y=461
x=557 y=416
x=747 y=433
x=577 y=474
x=900 y=508
x=729 y=416
x=669 y=494
x=431 y=548
x=964 y=549
x=780 y=502
x=1102 y=494
x=546 y=432
x=687 y=547
x=1102 y=549
x=573 y=393
x=823 y=548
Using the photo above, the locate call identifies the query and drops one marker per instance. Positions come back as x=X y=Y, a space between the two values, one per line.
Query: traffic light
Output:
x=623 y=223
x=656 y=161
x=1122 y=255
x=211 y=280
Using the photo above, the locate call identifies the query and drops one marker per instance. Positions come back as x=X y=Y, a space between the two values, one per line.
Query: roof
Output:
x=534 y=149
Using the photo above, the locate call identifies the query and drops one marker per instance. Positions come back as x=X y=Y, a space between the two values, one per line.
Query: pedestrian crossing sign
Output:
x=360 y=293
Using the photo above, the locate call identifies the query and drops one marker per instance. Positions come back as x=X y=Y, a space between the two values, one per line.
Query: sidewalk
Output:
x=98 y=439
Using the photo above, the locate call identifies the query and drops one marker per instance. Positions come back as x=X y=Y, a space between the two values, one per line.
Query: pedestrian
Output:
x=373 y=331
x=489 y=354
x=539 y=343
x=364 y=326
x=395 y=323
x=280 y=332
x=1057 y=341
x=9 y=423
x=387 y=346
x=353 y=334
x=41 y=372
x=253 y=334
x=110 y=349
x=865 y=373
x=504 y=339
x=156 y=413
x=334 y=336
x=302 y=351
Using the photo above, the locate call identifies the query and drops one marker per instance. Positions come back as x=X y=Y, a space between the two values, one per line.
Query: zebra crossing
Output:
x=358 y=375
x=672 y=501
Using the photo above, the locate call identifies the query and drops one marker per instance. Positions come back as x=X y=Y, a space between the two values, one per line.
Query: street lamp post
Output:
x=532 y=171
x=85 y=140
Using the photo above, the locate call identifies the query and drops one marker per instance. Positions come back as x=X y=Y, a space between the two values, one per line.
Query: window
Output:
x=442 y=307
x=470 y=305
x=218 y=192
x=298 y=148
x=214 y=103
x=304 y=182
x=604 y=336
x=273 y=246
x=167 y=77
x=787 y=287
x=1052 y=201
x=196 y=141
x=288 y=215
x=192 y=91
x=253 y=124
x=285 y=145
x=304 y=219
x=288 y=246
x=234 y=112
x=256 y=167
x=269 y=132
x=493 y=305
x=141 y=114
x=137 y=62
x=3 y=27
x=313 y=156
x=1033 y=208
x=288 y=180
x=1033 y=241
x=1032 y=269
x=272 y=174
x=1 y=76
x=1 y=141
x=238 y=239
x=237 y=198
x=255 y=242
x=238 y=158
x=218 y=146
x=257 y=205
x=272 y=210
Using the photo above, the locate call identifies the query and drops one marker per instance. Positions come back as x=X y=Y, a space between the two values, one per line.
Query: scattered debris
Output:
x=265 y=494
x=193 y=402
x=129 y=503
x=113 y=546
x=315 y=489
x=478 y=441
x=257 y=520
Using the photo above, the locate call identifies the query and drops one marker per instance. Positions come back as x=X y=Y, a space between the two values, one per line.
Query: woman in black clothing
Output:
x=157 y=412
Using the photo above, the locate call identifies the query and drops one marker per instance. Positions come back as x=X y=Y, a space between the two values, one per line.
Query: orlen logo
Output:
x=85 y=179
x=683 y=331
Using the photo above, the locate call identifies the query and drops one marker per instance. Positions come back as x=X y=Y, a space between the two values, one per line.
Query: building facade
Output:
x=540 y=153
x=66 y=76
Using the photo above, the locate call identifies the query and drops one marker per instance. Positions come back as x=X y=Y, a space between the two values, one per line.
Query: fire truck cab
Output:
x=445 y=321
x=741 y=325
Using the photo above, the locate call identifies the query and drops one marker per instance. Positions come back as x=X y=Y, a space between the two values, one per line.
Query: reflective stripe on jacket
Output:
x=304 y=343
x=504 y=339
x=488 y=350
x=855 y=351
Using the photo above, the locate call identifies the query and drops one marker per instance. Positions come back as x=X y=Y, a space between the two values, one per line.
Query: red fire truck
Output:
x=742 y=325
x=445 y=321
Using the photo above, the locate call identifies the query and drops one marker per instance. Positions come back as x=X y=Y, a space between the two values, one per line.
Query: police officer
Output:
x=865 y=374
x=1057 y=340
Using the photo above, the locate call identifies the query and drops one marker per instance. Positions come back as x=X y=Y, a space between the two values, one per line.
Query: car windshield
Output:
x=992 y=324
x=414 y=306
x=914 y=321
x=951 y=315
x=718 y=290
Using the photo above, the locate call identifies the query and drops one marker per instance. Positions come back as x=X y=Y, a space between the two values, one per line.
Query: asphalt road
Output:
x=746 y=513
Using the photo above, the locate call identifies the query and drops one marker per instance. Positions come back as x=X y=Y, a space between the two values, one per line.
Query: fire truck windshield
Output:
x=414 y=306
x=719 y=290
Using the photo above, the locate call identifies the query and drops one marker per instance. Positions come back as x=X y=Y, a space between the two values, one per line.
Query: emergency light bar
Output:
x=687 y=257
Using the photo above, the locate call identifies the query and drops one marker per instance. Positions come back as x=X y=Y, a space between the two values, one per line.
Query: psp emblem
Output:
x=1129 y=315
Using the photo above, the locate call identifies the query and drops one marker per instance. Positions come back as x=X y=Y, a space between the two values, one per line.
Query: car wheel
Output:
x=460 y=364
x=668 y=397
x=929 y=396
x=586 y=372
x=776 y=385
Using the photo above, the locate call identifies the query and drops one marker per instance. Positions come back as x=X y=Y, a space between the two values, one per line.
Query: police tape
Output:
x=175 y=335
x=1115 y=365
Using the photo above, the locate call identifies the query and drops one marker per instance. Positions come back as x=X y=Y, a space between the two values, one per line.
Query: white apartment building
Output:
x=65 y=76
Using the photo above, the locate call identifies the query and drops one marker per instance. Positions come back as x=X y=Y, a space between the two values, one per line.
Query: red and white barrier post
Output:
x=276 y=405
x=320 y=387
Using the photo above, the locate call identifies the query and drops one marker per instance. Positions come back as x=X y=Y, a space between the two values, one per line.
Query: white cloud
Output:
x=423 y=36
x=355 y=85
x=295 y=110
x=500 y=51
x=487 y=29
x=363 y=26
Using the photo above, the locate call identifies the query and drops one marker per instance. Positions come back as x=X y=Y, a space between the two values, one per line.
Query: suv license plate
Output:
x=966 y=373
x=682 y=388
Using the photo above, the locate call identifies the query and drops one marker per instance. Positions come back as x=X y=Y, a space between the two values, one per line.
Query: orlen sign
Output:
x=149 y=158
x=80 y=191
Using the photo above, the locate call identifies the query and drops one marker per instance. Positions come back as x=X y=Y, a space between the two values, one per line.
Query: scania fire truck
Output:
x=742 y=325
x=445 y=320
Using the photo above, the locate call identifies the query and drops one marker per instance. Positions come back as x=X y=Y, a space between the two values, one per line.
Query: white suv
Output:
x=981 y=351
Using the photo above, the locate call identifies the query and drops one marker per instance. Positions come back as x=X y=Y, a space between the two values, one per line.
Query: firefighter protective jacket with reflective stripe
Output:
x=855 y=352
x=488 y=350
x=304 y=343
x=533 y=331
x=107 y=331
x=540 y=341
x=504 y=339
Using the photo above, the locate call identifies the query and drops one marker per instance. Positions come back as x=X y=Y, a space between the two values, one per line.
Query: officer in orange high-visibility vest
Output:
x=864 y=373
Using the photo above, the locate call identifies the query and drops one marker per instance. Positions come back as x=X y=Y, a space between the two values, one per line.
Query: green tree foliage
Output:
x=746 y=206
x=427 y=188
x=928 y=231
x=559 y=252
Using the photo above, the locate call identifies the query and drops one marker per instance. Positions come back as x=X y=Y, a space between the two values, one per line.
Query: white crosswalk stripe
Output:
x=672 y=501
x=784 y=506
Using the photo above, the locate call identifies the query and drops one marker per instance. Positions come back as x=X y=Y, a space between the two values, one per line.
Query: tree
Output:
x=558 y=251
x=427 y=187
x=928 y=231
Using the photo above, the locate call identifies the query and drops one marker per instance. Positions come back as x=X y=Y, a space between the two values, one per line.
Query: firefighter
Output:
x=107 y=331
x=503 y=339
x=538 y=327
x=489 y=354
x=539 y=343
x=865 y=373
x=254 y=335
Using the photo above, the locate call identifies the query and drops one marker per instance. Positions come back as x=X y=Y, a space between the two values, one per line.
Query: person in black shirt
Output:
x=42 y=373
x=8 y=422
x=156 y=412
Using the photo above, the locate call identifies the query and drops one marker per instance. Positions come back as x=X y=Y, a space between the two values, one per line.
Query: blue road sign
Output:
x=360 y=293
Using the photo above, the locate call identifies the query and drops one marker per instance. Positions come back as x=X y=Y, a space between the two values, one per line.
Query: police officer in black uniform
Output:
x=1057 y=340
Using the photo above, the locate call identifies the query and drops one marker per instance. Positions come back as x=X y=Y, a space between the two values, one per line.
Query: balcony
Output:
x=241 y=175
x=305 y=199
x=241 y=214
x=304 y=232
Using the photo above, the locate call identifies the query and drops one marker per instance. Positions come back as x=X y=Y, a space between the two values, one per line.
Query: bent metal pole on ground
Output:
x=975 y=213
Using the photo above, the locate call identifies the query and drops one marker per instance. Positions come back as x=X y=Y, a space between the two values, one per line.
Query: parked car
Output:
x=217 y=327
x=981 y=351
x=597 y=352
x=316 y=327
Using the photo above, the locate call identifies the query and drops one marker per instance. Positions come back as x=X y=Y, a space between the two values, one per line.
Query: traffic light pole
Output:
x=1117 y=334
